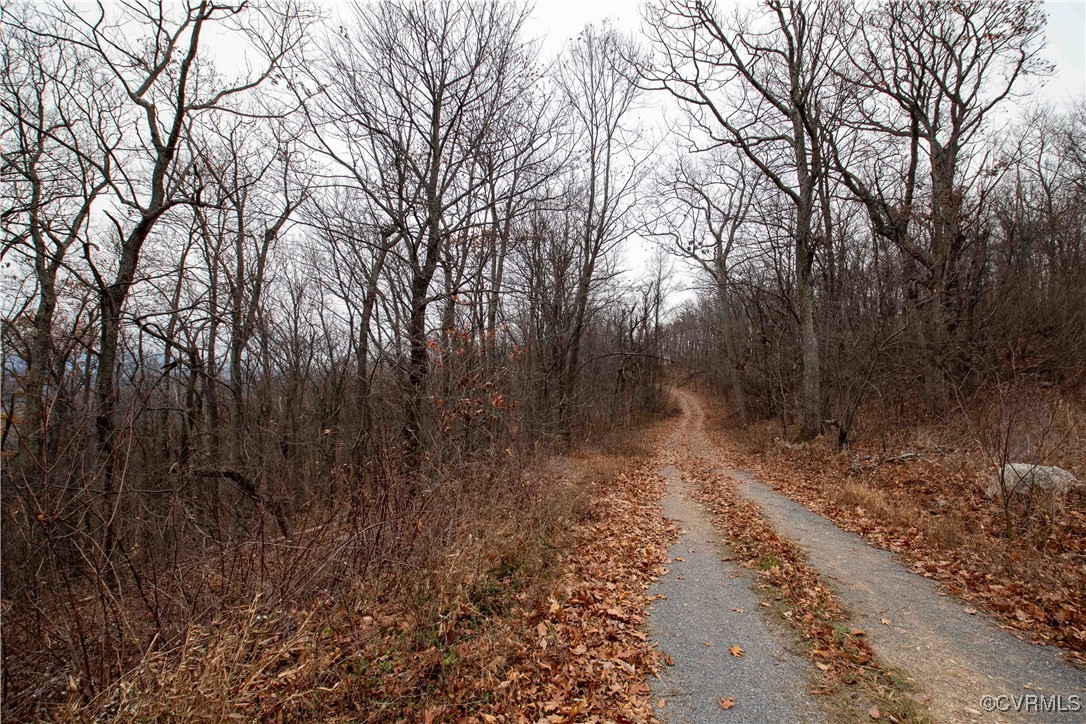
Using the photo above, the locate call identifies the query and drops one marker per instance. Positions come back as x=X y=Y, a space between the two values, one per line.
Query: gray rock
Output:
x=1024 y=479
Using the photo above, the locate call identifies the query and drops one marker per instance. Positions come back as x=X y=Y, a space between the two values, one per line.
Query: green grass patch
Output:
x=768 y=562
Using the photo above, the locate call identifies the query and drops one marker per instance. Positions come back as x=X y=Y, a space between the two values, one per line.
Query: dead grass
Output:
x=946 y=534
x=877 y=503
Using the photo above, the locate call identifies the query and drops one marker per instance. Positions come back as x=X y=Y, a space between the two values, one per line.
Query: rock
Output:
x=940 y=504
x=905 y=456
x=862 y=461
x=1024 y=479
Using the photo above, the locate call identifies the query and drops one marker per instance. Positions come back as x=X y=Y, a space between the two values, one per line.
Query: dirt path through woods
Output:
x=709 y=608
x=954 y=655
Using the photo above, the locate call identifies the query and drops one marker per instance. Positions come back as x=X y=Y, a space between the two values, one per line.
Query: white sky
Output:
x=558 y=20
x=1067 y=50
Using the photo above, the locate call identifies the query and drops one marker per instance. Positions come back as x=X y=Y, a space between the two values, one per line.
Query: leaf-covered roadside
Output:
x=566 y=646
x=569 y=648
x=928 y=507
x=586 y=656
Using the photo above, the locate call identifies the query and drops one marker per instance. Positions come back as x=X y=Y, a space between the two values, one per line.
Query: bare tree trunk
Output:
x=105 y=402
x=808 y=170
x=811 y=403
x=418 y=363
x=731 y=351
x=39 y=365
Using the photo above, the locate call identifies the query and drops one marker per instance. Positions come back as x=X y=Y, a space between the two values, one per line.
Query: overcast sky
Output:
x=559 y=20
x=1067 y=49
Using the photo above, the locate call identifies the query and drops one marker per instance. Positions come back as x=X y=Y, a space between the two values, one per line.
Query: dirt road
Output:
x=967 y=667
x=709 y=608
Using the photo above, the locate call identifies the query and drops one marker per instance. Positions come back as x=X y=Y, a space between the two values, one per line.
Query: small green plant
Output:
x=768 y=562
x=358 y=666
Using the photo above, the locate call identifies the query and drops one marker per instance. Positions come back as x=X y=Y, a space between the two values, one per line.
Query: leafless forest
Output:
x=293 y=302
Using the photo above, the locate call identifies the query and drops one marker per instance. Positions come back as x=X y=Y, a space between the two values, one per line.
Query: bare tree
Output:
x=49 y=100
x=755 y=83
x=706 y=214
x=408 y=97
x=923 y=81
x=161 y=87
x=598 y=85
x=358 y=250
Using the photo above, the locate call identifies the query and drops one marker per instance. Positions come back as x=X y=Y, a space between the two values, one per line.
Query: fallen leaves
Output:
x=590 y=659
x=736 y=650
x=726 y=702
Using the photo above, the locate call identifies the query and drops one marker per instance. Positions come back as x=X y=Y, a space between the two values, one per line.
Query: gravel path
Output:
x=709 y=607
x=955 y=657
